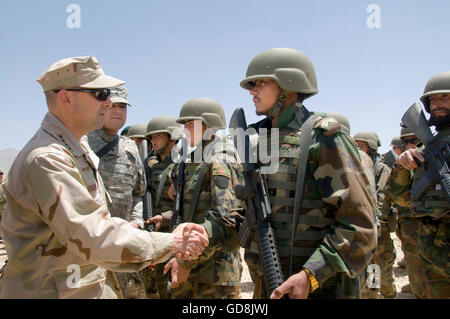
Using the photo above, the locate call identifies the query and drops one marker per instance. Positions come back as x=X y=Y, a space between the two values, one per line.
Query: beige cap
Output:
x=82 y=71
x=119 y=95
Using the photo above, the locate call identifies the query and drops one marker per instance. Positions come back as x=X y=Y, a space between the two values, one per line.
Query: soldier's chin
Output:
x=439 y=121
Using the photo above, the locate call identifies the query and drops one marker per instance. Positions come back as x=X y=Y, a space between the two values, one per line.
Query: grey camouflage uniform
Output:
x=123 y=174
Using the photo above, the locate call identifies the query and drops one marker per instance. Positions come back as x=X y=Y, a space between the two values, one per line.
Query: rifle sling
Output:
x=162 y=182
x=307 y=139
x=105 y=149
x=198 y=186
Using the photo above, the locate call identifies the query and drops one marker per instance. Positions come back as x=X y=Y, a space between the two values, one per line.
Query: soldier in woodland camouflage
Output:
x=432 y=208
x=163 y=133
x=407 y=229
x=385 y=254
x=336 y=229
x=123 y=174
x=211 y=172
x=60 y=237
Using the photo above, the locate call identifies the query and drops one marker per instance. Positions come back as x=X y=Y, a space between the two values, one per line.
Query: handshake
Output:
x=189 y=241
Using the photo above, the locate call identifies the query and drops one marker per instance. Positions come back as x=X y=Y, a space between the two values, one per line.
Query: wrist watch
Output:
x=313 y=280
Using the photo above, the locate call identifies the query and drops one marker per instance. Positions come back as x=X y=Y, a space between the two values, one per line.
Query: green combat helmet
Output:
x=370 y=138
x=341 y=119
x=438 y=84
x=405 y=132
x=290 y=68
x=165 y=124
x=208 y=110
x=137 y=131
x=396 y=142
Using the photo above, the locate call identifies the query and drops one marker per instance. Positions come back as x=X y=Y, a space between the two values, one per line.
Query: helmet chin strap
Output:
x=275 y=110
x=162 y=149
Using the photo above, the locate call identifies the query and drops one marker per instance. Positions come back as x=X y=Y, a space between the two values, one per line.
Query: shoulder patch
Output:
x=329 y=125
x=221 y=171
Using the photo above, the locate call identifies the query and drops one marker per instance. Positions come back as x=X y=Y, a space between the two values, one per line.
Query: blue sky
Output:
x=171 y=51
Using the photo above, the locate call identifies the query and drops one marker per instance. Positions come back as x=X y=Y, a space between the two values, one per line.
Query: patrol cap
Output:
x=119 y=95
x=82 y=71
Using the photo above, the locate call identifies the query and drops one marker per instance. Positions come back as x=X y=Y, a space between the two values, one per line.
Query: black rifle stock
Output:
x=179 y=184
x=437 y=166
x=147 y=211
x=257 y=213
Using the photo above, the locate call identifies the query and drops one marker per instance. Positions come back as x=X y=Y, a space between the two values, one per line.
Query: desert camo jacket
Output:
x=60 y=238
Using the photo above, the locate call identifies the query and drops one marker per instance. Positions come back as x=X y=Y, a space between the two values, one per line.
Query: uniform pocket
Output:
x=85 y=282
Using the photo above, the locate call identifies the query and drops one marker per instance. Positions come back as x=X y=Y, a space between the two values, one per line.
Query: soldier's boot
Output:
x=373 y=293
x=407 y=289
x=402 y=263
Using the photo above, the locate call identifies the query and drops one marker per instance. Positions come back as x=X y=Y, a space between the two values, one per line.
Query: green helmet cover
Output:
x=437 y=84
x=137 y=131
x=290 y=68
x=165 y=124
x=209 y=111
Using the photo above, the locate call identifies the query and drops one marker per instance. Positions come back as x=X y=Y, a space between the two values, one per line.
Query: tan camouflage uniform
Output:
x=57 y=220
x=216 y=274
x=123 y=174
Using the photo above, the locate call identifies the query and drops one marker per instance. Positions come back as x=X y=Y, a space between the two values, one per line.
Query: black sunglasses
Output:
x=411 y=140
x=100 y=94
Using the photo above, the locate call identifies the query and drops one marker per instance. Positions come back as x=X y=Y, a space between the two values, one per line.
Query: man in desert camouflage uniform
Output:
x=211 y=172
x=123 y=174
x=60 y=237
x=163 y=133
x=336 y=227
x=432 y=207
x=385 y=254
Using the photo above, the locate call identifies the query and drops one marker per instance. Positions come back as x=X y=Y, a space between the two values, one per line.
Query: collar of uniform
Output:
x=53 y=126
x=105 y=136
x=444 y=132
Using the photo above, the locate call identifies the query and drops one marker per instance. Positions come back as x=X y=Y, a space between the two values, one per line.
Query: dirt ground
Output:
x=400 y=275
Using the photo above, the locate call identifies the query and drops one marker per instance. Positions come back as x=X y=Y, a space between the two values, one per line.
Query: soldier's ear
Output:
x=64 y=98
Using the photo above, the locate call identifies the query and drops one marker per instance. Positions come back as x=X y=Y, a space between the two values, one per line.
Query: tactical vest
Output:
x=434 y=201
x=314 y=218
x=159 y=186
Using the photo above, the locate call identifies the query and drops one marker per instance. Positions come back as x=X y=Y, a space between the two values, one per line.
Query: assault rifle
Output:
x=437 y=167
x=147 y=211
x=257 y=213
x=179 y=184
x=390 y=158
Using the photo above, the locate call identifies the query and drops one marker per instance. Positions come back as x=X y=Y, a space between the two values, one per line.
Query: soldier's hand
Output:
x=179 y=274
x=171 y=192
x=156 y=220
x=189 y=240
x=406 y=159
x=297 y=287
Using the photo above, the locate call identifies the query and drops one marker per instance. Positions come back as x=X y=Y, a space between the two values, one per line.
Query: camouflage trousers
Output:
x=252 y=260
x=155 y=282
x=131 y=285
x=433 y=237
x=384 y=257
x=407 y=231
x=195 y=290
